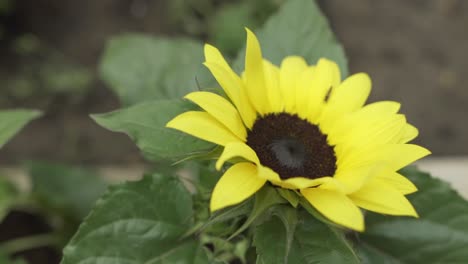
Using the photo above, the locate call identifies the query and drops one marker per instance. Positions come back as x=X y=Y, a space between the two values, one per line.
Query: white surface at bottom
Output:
x=451 y=169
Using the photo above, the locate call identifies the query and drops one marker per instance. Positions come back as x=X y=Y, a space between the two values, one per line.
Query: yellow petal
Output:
x=290 y=71
x=246 y=109
x=355 y=178
x=268 y=174
x=228 y=80
x=409 y=133
x=349 y=96
x=297 y=183
x=236 y=185
x=352 y=93
x=234 y=89
x=377 y=196
x=336 y=76
x=325 y=77
x=264 y=172
x=364 y=118
x=202 y=125
x=254 y=74
x=397 y=181
x=275 y=99
x=221 y=110
x=303 y=86
x=335 y=206
x=395 y=156
x=380 y=108
x=237 y=149
x=222 y=72
x=383 y=131
x=213 y=55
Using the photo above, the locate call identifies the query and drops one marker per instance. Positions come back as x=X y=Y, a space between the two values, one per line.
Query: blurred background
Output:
x=415 y=52
x=50 y=52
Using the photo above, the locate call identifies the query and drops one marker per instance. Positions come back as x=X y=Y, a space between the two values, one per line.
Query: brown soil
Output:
x=20 y=224
x=415 y=52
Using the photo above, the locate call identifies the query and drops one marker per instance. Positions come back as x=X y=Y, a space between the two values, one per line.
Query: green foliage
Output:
x=226 y=33
x=65 y=189
x=60 y=195
x=141 y=68
x=220 y=21
x=146 y=123
x=264 y=200
x=291 y=196
x=44 y=73
x=4 y=259
x=154 y=221
x=313 y=241
x=62 y=78
x=11 y=121
x=8 y=194
x=229 y=213
x=298 y=28
x=6 y=6
x=138 y=222
x=439 y=236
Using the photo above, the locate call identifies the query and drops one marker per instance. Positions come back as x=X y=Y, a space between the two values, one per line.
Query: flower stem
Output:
x=28 y=242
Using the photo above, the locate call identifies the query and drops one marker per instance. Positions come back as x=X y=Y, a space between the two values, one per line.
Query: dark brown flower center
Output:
x=292 y=147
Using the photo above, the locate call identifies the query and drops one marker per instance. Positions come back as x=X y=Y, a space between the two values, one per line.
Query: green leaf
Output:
x=298 y=28
x=328 y=245
x=270 y=241
x=72 y=190
x=265 y=198
x=11 y=121
x=141 y=68
x=138 y=222
x=8 y=194
x=229 y=213
x=226 y=32
x=4 y=259
x=314 y=242
x=208 y=176
x=288 y=216
x=146 y=123
x=439 y=236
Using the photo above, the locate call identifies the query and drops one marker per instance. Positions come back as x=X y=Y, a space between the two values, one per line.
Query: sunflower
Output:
x=300 y=127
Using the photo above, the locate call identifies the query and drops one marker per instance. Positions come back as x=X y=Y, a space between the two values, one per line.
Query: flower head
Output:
x=301 y=127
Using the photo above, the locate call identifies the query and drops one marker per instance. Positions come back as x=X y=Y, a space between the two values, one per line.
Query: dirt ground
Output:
x=415 y=52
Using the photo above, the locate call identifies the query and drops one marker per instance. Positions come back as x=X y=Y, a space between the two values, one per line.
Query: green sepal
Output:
x=265 y=198
x=289 y=195
x=237 y=211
